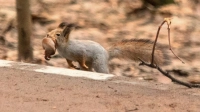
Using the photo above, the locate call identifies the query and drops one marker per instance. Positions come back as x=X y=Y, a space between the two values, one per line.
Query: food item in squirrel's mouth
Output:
x=49 y=47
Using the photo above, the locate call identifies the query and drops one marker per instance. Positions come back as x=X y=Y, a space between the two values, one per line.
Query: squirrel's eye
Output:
x=58 y=34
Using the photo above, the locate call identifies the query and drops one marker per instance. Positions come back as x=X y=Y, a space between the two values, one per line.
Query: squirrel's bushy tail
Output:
x=134 y=49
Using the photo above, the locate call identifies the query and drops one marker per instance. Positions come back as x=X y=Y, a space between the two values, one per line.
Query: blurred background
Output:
x=109 y=21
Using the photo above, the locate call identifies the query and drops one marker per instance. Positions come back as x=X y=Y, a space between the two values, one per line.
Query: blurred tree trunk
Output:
x=25 y=51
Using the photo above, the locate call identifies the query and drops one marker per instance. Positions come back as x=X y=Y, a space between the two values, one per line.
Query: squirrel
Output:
x=91 y=55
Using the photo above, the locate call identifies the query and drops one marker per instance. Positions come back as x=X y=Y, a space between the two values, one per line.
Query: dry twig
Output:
x=152 y=65
x=168 y=21
x=169 y=76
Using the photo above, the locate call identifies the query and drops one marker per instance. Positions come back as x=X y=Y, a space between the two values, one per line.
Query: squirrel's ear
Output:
x=68 y=29
x=62 y=25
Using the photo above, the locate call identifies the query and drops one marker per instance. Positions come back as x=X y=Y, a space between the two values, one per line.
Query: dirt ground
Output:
x=26 y=91
x=105 y=22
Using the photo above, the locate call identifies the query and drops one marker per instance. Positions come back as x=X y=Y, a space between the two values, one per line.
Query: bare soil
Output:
x=25 y=91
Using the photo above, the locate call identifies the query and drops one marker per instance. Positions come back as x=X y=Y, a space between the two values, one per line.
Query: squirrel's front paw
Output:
x=77 y=68
x=74 y=67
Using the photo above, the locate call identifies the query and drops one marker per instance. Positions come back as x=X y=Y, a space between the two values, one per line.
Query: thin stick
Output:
x=169 y=76
x=155 y=66
x=154 y=45
x=168 y=20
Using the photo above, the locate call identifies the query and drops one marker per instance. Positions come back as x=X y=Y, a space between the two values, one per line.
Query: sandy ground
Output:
x=26 y=91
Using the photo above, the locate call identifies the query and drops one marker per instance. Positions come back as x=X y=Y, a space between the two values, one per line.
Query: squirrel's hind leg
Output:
x=100 y=65
x=89 y=65
x=83 y=65
x=101 y=68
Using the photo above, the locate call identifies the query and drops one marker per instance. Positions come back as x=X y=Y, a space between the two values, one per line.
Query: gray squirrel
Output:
x=91 y=55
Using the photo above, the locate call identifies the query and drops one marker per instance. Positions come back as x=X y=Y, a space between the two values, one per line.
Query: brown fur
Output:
x=134 y=49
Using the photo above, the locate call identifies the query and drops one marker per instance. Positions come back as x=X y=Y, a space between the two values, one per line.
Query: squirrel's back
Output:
x=135 y=49
x=73 y=49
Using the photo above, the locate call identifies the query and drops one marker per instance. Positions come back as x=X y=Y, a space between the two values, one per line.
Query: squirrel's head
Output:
x=61 y=33
x=55 y=37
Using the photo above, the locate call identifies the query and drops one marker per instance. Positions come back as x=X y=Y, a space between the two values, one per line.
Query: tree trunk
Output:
x=25 y=51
